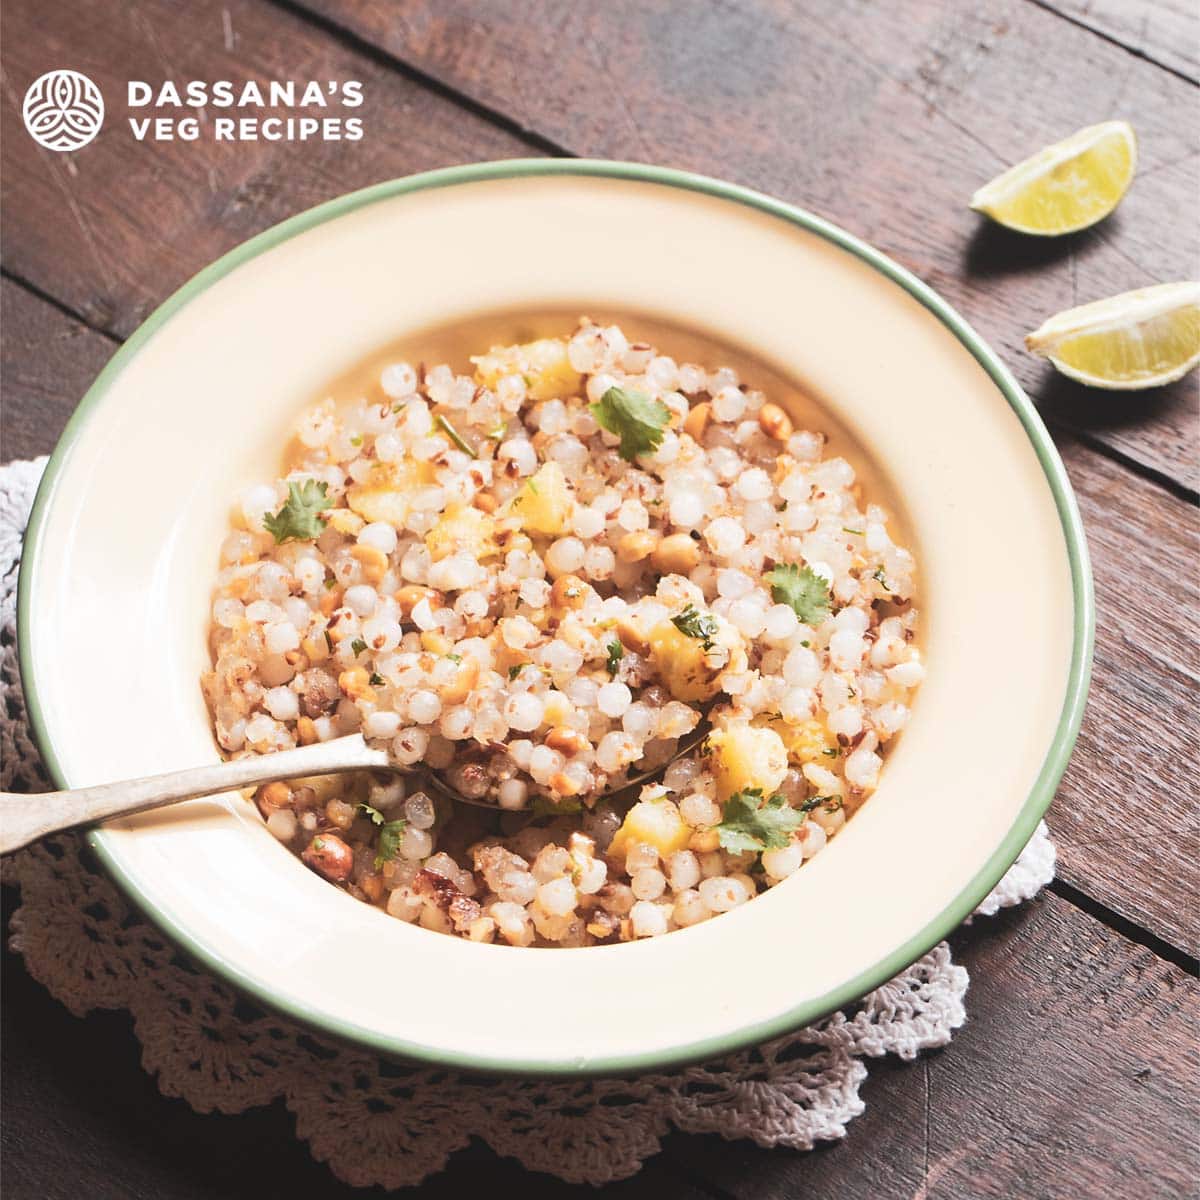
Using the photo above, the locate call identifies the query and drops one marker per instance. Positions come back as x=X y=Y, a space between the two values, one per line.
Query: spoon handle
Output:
x=26 y=817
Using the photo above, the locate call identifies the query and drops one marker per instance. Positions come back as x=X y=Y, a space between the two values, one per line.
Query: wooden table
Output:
x=1076 y=1072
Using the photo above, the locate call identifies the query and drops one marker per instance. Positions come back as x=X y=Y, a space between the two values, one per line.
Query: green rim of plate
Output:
x=802 y=1014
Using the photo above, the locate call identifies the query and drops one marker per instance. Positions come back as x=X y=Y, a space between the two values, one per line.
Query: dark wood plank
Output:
x=1125 y=826
x=112 y=230
x=1073 y=1076
x=883 y=117
x=82 y=1119
x=47 y=361
x=1161 y=30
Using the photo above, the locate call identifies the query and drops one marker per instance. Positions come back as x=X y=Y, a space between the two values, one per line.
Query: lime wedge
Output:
x=1065 y=187
x=1139 y=339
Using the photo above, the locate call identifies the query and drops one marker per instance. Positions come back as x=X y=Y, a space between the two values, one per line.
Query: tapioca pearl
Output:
x=281 y=636
x=648 y=884
x=728 y=405
x=599 y=563
x=862 y=767
x=733 y=584
x=415 y=844
x=906 y=675
x=889 y=719
x=424 y=707
x=779 y=622
x=613 y=699
x=382 y=633
x=648 y=919
x=846 y=649
x=543 y=763
x=513 y=794
x=700 y=811
x=797 y=705
x=689 y=909
x=725 y=536
x=748 y=617
x=683 y=870
x=381 y=724
x=754 y=484
x=587 y=522
x=257 y=502
x=565 y=556
x=846 y=722
x=282 y=703
x=524 y=711
x=379 y=536
x=398 y=380
x=662 y=373
x=802 y=668
x=361 y=600
x=520 y=453
x=723 y=892
x=408 y=746
x=598 y=384
x=686 y=509
x=782 y=862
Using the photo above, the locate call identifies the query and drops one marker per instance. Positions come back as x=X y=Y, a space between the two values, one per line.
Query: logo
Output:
x=63 y=110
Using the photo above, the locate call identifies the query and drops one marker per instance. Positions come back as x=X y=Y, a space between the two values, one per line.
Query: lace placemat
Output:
x=376 y=1122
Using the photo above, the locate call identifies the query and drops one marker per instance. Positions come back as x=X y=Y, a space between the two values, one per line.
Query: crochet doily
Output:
x=375 y=1122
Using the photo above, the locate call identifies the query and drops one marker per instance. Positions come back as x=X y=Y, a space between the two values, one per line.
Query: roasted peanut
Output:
x=697 y=419
x=704 y=841
x=436 y=643
x=485 y=502
x=774 y=422
x=676 y=555
x=568 y=591
x=272 y=796
x=459 y=688
x=409 y=596
x=374 y=562
x=328 y=855
x=633 y=547
x=631 y=635
x=563 y=785
x=306 y=731
x=566 y=740
x=356 y=683
x=330 y=600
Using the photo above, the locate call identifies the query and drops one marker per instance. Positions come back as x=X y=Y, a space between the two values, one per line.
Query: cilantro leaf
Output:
x=515 y=670
x=749 y=824
x=358 y=646
x=389 y=842
x=696 y=624
x=616 y=652
x=802 y=590
x=298 y=519
x=377 y=818
x=635 y=418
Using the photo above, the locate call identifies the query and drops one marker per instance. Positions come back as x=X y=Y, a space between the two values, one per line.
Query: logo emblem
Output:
x=63 y=110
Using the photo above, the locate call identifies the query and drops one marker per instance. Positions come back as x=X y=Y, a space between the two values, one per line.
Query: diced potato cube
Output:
x=543 y=505
x=656 y=822
x=683 y=663
x=344 y=521
x=385 y=495
x=806 y=742
x=544 y=365
x=745 y=756
x=463 y=529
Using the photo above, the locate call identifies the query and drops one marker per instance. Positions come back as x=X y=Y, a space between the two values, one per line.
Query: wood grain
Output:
x=1163 y=31
x=1126 y=822
x=1073 y=1076
x=112 y=230
x=883 y=117
x=47 y=361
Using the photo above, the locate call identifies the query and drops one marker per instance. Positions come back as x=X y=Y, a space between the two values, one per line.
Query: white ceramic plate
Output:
x=122 y=551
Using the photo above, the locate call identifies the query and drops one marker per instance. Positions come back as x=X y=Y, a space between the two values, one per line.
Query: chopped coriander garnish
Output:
x=454 y=658
x=514 y=671
x=635 y=418
x=298 y=519
x=813 y=801
x=377 y=818
x=749 y=824
x=331 y=583
x=389 y=842
x=801 y=589
x=358 y=646
x=878 y=575
x=781 y=506
x=377 y=680
x=834 y=753
x=856 y=532
x=532 y=486
x=356 y=440
x=498 y=431
x=696 y=624
x=328 y=641
x=616 y=652
x=806 y=643
x=456 y=437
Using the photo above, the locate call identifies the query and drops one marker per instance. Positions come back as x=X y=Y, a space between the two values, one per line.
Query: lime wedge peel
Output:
x=1067 y=186
x=1139 y=339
